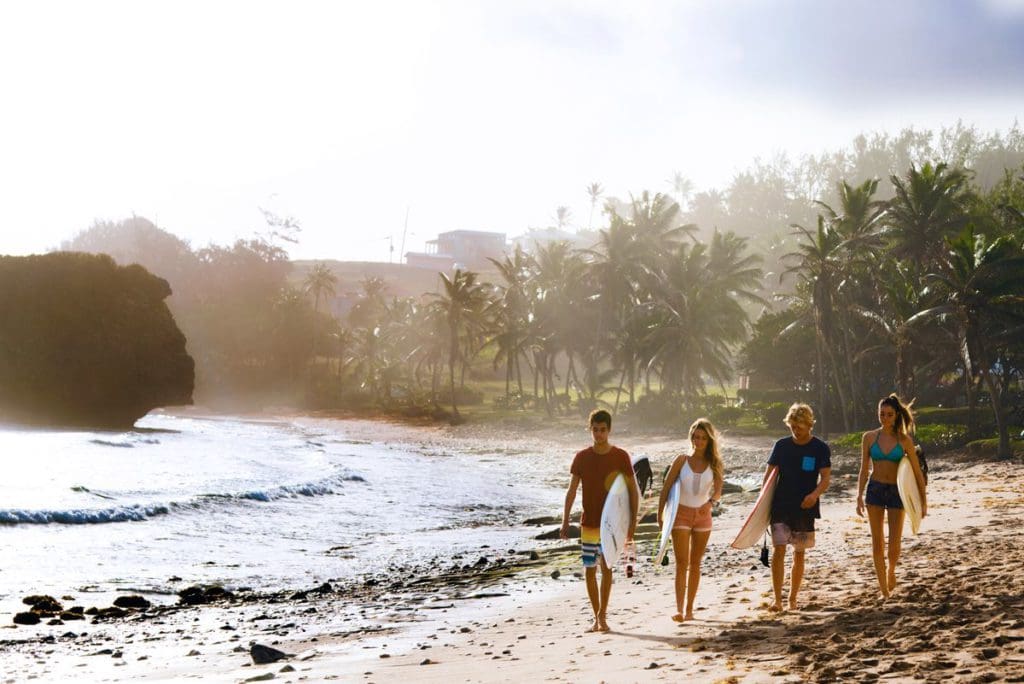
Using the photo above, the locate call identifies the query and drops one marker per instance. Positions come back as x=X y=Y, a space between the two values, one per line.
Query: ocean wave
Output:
x=140 y=512
x=321 y=488
x=111 y=443
x=82 y=516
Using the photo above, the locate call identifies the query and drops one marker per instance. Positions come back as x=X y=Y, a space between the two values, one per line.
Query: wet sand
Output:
x=957 y=614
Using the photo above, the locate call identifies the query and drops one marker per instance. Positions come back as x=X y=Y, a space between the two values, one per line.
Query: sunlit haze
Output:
x=460 y=115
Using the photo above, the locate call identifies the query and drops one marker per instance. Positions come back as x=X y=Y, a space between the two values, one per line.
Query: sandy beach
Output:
x=957 y=614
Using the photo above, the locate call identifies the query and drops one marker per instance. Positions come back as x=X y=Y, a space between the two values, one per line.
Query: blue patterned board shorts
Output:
x=883 y=495
x=590 y=541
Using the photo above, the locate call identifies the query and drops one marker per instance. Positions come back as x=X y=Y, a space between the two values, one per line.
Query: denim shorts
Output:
x=883 y=495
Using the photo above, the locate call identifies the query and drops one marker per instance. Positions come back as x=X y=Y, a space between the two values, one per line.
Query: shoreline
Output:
x=961 y=588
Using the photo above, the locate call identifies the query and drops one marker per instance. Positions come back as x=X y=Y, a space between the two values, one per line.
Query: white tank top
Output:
x=695 y=488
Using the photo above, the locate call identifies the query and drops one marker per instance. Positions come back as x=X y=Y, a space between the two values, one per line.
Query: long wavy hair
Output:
x=904 y=415
x=711 y=453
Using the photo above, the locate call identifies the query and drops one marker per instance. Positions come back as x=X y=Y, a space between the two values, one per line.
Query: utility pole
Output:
x=404 y=231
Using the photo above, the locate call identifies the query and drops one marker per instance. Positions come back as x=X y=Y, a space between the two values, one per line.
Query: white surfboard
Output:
x=615 y=521
x=759 y=517
x=668 y=518
x=906 y=483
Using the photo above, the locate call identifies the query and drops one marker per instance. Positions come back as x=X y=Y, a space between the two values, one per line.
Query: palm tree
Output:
x=699 y=318
x=682 y=187
x=857 y=223
x=898 y=301
x=930 y=205
x=462 y=301
x=509 y=310
x=980 y=289
x=562 y=216
x=558 y=314
x=320 y=282
x=594 y=192
x=818 y=266
x=858 y=220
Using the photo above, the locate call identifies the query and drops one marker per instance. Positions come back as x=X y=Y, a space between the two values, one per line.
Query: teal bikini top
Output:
x=895 y=454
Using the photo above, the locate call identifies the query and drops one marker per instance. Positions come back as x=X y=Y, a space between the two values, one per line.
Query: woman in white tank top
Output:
x=700 y=476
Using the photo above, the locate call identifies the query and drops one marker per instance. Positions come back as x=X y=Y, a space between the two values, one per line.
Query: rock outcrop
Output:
x=86 y=342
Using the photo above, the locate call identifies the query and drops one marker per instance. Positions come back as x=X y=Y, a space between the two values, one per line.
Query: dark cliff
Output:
x=86 y=342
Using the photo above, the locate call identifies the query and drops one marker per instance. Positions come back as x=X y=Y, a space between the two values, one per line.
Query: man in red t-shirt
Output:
x=596 y=467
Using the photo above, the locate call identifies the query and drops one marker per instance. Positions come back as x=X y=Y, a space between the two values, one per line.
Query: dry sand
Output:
x=957 y=614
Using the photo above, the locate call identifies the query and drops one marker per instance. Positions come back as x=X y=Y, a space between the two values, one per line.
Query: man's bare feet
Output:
x=775 y=607
x=793 y=606
x=892 y=580
x=678 y=617
x=689 y=615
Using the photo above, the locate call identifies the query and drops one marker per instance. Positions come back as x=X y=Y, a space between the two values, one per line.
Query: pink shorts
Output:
x=692 y=519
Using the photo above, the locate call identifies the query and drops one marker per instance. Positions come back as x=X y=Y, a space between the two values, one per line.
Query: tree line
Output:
x=839 y=277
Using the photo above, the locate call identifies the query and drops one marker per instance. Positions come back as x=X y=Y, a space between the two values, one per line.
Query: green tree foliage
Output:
x=87 y=342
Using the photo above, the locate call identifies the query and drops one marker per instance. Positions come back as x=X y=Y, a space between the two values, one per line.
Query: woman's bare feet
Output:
x=689 y=615
x=596 y=627
x=775 y=607
x=678 y=617
x=892 y=580
x=603 y=624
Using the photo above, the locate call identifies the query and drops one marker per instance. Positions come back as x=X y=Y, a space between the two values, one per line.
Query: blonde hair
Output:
x=800 y=413
x=711 y=453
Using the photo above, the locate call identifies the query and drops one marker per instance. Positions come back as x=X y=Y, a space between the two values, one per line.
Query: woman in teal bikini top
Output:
x=895 y=454
x=882 y=502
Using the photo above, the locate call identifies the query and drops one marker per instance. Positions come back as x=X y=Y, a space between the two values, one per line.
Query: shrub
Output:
x=771 y=396
x=516 y=401
x=771 y=415
x=851 y=440
x=657 y=410
x=941 y=436
x=726 y=416
x=464 y=396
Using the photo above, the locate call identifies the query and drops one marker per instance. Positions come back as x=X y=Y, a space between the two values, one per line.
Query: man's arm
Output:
x=570 y=498
x=824 y=478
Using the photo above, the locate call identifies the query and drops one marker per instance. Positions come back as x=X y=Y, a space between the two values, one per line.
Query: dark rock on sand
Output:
x=26 y=618
x=198 y=594
x=132 y=601
x=574 y=533
x=261 y=655
x=42 y=604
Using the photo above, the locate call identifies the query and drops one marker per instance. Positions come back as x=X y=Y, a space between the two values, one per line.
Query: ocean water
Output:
x=266 y=504
x=261 y=504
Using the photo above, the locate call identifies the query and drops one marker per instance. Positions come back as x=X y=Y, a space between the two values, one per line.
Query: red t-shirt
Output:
x=597 y=473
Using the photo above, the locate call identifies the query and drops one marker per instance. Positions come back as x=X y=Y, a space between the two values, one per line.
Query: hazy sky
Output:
x=470 y=115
